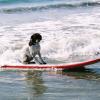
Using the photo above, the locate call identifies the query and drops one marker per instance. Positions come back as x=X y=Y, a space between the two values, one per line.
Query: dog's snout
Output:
x=37 y=41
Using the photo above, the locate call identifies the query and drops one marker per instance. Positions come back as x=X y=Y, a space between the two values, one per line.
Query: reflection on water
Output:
x=35 y=83
x=85 y=74
x=50 y=85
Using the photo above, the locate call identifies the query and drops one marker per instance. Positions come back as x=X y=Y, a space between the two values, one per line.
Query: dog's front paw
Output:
x=44 y=63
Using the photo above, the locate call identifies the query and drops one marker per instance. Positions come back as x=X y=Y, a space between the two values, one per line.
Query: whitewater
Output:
x=70 y=29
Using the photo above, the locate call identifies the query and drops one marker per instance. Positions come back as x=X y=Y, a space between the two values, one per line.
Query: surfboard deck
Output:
x=52 y=66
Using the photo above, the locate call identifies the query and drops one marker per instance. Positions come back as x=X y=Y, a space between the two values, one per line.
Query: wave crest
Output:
x=51 y=6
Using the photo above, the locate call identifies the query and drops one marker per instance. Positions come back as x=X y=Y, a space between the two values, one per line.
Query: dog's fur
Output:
x=33 y=50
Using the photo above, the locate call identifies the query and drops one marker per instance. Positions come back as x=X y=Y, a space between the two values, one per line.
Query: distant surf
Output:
x=56 y=5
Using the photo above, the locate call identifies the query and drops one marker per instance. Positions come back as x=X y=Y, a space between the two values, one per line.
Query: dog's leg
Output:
x=41 y=58
x=36 y=60
x=27 y=59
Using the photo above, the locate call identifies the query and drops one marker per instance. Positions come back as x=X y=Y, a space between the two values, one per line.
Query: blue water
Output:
x=71 y=33
x=51 y=85
x=33 y=5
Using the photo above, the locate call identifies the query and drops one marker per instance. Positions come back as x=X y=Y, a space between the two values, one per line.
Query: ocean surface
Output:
x=71 y=33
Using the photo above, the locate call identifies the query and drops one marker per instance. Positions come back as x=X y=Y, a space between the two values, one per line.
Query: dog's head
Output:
x=35 y=38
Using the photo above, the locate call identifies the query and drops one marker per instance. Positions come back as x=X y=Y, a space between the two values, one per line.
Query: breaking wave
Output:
x=48 y=6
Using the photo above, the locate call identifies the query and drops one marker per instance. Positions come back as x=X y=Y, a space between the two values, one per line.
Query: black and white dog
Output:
x=33 y=49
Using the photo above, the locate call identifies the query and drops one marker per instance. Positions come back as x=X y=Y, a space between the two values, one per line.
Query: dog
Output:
x=33 y=50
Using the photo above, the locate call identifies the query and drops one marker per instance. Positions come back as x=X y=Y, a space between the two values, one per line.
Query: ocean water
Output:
x=70 y=29
x=71 y=33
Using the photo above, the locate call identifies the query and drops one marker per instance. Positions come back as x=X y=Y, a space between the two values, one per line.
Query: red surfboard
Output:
x=52 y=66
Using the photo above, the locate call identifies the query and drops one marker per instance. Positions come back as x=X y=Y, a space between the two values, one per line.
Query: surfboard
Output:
x=53 y=66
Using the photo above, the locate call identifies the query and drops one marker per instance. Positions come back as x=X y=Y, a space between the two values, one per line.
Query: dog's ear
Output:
x=30 y=42
x=39 y=37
